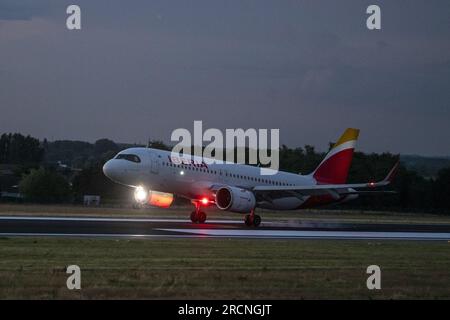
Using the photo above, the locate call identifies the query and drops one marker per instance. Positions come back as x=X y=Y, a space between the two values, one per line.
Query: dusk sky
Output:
x=140 y=69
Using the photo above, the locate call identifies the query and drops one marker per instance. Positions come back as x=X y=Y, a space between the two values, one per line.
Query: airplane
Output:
x=156 y=175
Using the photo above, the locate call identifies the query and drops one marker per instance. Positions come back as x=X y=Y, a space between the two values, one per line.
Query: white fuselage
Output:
x=192 y=178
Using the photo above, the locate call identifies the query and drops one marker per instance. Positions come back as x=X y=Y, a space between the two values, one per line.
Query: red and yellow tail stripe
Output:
x=334 y=168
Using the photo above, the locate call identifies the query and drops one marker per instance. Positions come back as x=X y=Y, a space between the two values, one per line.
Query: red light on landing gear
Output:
x=205 y=201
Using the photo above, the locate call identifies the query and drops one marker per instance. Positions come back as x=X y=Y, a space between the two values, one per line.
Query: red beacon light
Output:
x=204 y=200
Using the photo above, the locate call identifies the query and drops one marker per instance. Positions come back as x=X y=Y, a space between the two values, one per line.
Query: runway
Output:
x=100 y=227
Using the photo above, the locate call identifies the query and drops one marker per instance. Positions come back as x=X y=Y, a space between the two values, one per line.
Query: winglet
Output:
x=389 y=178
x=391 y=175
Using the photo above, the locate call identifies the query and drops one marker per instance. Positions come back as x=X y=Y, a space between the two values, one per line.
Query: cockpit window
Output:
x=129 y=157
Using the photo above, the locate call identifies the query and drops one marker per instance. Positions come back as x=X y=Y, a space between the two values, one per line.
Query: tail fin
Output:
x=334 y=168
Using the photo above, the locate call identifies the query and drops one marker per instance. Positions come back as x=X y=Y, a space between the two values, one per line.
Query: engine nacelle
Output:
x=235 y=199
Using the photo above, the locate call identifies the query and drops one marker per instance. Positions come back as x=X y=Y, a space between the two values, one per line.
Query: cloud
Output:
x=146 y=67
x=22 y=10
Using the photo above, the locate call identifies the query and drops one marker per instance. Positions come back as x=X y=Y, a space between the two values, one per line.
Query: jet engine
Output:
x=235 y=199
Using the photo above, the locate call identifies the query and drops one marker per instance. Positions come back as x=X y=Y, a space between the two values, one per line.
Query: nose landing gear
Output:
x=198 y=216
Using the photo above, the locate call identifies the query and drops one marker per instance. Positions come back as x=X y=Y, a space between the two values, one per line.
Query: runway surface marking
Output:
x=97 y=227
x=92 y=235
x=106 y=219
x=320 y=235
x=313 y=234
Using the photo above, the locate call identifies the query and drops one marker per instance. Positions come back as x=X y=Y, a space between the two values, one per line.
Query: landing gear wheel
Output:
x=194 y=217
x=248 y=220
x=201 y=217
x=252 y=220
x=198 y=216
x=256 y=220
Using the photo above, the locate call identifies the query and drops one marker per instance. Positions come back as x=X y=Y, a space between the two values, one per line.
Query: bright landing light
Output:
x=140 y=194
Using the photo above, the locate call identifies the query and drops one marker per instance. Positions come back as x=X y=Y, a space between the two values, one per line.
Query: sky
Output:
x=141 y=69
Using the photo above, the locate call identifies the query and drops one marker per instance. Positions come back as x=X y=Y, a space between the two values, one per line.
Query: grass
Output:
x=354 y=216
x=222 y=268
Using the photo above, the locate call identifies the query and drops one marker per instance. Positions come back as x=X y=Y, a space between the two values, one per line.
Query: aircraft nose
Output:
x=110 y=170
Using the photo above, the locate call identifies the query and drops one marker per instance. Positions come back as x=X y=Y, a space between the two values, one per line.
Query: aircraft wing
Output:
x=335 y=190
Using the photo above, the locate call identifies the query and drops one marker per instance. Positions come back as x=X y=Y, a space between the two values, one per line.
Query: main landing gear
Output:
x=252 y=219
x=198 y=216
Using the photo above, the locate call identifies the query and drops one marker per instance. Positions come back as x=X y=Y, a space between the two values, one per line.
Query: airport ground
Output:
x=225 y=268
x=34 y=268
x=329 y=215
